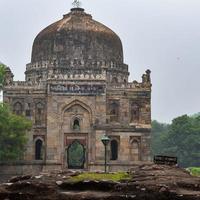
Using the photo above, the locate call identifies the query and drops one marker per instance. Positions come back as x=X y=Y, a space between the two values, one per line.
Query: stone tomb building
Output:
x=76 y=90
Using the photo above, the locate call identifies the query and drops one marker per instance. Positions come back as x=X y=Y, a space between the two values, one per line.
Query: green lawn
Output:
x=195 y=171
x=100 y=176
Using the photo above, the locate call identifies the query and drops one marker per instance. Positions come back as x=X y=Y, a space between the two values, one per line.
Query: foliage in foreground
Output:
x=13 y=130
x=2 y=74
x=195 y=171
x=181 y=139
x=100 y=176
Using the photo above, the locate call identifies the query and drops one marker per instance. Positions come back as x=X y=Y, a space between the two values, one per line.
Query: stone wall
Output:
x=10 y=169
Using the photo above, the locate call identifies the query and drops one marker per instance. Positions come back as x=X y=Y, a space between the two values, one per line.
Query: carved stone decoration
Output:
x=78 y=89
x=8 y=76
x=146 y=79
x=134 y=112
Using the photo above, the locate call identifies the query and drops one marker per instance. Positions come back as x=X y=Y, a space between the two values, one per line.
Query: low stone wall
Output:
x=10 y=169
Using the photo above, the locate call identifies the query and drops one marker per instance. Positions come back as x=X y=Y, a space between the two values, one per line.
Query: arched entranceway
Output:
x=75 y=155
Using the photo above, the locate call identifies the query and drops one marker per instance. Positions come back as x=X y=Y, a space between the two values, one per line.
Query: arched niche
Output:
x=18 y=108
x=39 y=113
x=114 y=111
x=135 y=149
x=114 y=80
x=134 y=112
x=76 y=124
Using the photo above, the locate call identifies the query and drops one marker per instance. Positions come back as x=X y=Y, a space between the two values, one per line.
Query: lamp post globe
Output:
x=105 y=140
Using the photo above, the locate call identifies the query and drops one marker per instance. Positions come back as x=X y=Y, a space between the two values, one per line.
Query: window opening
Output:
x=114 y=150
x=38 y=149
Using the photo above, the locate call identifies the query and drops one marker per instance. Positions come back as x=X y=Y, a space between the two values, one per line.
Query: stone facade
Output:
x=77 y=90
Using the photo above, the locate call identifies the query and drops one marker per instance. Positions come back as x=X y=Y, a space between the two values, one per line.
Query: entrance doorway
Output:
x=76 y=155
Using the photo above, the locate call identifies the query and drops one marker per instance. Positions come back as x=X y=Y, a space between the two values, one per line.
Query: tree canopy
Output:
x=13 y=138
x=2 y=74
x=181 y=138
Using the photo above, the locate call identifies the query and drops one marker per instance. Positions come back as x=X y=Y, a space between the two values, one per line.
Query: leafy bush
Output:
x=13 y=138
x=195 y=171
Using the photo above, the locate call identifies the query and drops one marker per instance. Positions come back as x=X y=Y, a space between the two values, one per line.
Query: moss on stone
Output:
x=195 y=171
x=101 y=176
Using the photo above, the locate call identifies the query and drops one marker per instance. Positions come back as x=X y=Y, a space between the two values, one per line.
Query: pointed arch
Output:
x=114 y=80
x=135 y=149
x=38 y=149
x=80 y=103
x=18 y=108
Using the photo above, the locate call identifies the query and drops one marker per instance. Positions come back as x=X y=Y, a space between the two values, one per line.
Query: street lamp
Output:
x=105 y=140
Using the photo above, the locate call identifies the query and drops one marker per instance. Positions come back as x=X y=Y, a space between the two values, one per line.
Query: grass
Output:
x=195 y=171
x=100 y=176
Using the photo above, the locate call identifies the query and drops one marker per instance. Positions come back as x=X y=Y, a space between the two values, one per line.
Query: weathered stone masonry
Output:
x=76 y=90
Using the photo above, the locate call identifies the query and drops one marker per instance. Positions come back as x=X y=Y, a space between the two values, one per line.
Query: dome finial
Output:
x=76 y=4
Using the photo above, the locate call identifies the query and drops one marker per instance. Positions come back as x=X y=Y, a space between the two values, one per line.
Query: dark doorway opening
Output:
x=38 y=149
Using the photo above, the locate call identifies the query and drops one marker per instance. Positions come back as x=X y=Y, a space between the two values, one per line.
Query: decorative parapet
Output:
x=145 y=84
x=76 y=64
x=38 y=65
x=85 y=75
x=24 y=85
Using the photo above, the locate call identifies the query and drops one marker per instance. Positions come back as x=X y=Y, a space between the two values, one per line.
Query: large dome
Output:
x=77 y=37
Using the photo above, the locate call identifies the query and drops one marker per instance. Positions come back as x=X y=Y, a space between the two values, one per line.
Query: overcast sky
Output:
x=160 y=35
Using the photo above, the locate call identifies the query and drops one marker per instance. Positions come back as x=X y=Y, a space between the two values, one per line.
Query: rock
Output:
x=163 y=189
x=147 y=182
x=38 y=177
x=19 y=178
x=59 y=182
x=7 y=184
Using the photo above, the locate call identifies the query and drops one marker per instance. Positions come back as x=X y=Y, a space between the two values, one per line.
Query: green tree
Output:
x=159 y=131
x=2 y=75
x=13 y=131
x=181 y=139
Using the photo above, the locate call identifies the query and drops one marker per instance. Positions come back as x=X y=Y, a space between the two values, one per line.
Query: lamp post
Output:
x=105 y=140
